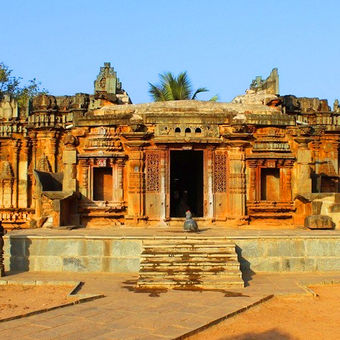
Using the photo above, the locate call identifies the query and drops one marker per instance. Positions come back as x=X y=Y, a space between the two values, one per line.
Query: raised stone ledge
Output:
x=119 y=254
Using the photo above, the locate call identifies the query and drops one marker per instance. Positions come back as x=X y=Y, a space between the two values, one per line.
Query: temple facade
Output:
x=98 y=160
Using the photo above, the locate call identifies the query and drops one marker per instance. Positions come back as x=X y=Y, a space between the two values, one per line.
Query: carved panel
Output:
x=220 y=173
x=153 y=163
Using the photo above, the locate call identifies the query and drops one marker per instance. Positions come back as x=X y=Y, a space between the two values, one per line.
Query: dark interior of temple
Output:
x=186 y=183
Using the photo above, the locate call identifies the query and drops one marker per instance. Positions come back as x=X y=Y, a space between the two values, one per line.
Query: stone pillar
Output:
x=16 y=149
x=84 y=176
x=286 y=189
x=53 y=157
x=252 y=180
x=117 y=175
x=163 y=183
x=2 y=233
x=136 y=185
x=303 y=181
x=70 y=170
x=209 y=199
x=34 y=150
x=237 y=181
x=120 y=179
x=23 y=174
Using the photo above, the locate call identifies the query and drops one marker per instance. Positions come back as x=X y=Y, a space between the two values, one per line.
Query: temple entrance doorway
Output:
x=186 y=183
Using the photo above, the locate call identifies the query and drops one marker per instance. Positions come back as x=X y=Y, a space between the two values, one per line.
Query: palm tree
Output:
x=174 y=88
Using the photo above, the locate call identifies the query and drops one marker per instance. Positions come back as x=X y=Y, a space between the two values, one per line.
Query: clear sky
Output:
x=222 y=44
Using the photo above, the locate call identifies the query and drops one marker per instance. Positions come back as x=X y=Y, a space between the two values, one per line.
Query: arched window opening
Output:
x=177 y=130
x=187 y=130
x=198 y=130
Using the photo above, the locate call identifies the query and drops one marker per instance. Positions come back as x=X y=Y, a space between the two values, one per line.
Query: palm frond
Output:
x=156 y=93
x=173 y=88
x=199 y=90
x=215 y=98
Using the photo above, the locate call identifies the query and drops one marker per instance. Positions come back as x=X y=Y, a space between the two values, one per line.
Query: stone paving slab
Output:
x=125 y=314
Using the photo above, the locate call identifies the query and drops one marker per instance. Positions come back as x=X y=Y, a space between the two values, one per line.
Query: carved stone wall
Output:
x=152 y=165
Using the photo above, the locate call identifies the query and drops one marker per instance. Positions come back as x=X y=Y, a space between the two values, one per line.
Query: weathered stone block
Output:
x=262 y=264
x=62 y=247
x=283 y=248
x=251 y=248
x=82 y=264
x=316 y=207
x=298 y=264
x=323 y=247
x=46 y=263
x=121 y=265
x=328 y=264
x=91 y=248
x=319 y=222
x=70 y=157
x=126 y=248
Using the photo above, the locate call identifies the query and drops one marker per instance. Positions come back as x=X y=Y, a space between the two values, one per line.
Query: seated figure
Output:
x=190 y=224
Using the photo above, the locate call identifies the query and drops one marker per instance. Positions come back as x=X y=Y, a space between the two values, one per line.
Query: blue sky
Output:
x=222 y=45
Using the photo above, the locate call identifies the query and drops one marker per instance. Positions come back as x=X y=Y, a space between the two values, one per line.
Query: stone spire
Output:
x=107 y=81
x=107 y=87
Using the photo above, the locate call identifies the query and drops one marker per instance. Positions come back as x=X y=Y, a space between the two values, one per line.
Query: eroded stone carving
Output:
x=8 y=108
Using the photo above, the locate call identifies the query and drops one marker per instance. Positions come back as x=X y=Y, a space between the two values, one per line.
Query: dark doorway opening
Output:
x=186 y=183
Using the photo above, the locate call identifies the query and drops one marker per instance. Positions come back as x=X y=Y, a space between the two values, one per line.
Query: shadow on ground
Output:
x=272 y=334
x=247 y=273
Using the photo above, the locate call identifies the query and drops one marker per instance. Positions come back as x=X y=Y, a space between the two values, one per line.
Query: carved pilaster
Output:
x=2 y=267
x=237 y=180
x=252 y=179
x=120 y=180
x=303 y=171
x=16 y=149
x=53 y=145
x=24 y=177
x=84 y=168
x=136 y=185
x=209 y=194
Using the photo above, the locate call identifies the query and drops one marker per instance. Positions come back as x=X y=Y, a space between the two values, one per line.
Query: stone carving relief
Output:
x=187 y=130
x=8 y=108
x=220 y=173
x=104 y=139
x=43 y=164
x=44 y=102
x=70 y=141
x=153 y=161
x=6 y=171
x=336 y=106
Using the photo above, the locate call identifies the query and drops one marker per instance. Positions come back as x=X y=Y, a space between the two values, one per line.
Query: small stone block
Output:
x=319 y=222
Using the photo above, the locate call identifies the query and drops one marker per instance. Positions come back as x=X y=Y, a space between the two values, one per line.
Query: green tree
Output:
x=10 y=84
x=174 y=88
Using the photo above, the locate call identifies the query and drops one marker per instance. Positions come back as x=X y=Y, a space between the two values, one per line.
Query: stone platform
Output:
x=118 y=250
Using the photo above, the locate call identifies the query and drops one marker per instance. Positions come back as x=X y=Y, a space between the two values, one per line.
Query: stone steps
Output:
x=189 y=264
x=191 y=285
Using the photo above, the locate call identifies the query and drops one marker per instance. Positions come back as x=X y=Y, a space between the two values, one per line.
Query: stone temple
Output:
x=98 y=160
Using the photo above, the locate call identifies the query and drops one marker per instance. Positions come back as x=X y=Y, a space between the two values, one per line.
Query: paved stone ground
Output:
x=125 y=314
